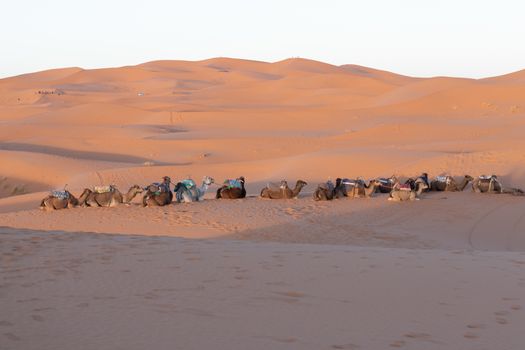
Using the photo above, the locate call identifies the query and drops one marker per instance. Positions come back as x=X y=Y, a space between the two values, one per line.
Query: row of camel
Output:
x=160 y=194
x=411 y=189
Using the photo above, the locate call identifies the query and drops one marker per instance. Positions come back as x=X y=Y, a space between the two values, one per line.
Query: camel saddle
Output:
x=404 y=187
x=384 y=181
x=350 y=182
x=189 y=183
x=273 y=186
x=60 y=194
x=487 y=177
x=329 y=186
x=232 y=183
x=444 y=179
x=103 y=189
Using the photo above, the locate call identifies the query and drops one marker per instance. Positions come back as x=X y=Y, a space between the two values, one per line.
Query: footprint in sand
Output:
x=345 y=346
x=398 y=344
x=291 y=294
x=470 y=335
x=12 y=337
x=37 y=318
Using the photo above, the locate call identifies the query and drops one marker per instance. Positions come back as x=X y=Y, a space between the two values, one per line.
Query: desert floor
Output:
x=445 y=272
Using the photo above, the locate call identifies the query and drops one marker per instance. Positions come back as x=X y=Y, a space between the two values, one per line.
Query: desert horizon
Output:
x=344 y=267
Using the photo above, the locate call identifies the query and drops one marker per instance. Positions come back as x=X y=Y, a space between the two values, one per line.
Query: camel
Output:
x=187 y=191
x=387 y=184
x=487 y=184
x=347 y=187
x=325 y=191
x=158 y=195
x=232 y=189
x=402 y=193
x=61 y=200
x=491 y=184
x=423 y=178
x=449 y=184
x=111 y=198
x=366 y=191
x=284 y=192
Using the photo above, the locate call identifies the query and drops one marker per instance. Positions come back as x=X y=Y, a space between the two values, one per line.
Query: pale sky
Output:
x=413 y=37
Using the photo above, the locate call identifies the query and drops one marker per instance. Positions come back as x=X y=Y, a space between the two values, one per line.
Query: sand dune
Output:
x=441 y=273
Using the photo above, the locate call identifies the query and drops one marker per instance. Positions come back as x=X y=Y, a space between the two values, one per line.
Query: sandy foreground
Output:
x=445 y=272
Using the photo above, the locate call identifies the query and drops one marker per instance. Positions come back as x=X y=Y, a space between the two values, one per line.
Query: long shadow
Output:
x=85 y=155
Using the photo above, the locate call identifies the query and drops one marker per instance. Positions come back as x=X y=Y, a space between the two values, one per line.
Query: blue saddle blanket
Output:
x=60 y=194
x=189 y=183
x=233 y=183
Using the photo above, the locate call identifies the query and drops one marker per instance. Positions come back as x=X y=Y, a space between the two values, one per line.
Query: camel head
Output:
x=374 y=182
x=208 y=180
x=469 y=178
x=241 y=179
x=136 y=189
x=301 y=183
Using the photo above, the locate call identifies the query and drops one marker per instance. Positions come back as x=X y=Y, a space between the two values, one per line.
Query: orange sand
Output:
x=444 y=272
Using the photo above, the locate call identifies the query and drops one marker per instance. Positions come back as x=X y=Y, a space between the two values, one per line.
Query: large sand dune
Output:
x=445 y=272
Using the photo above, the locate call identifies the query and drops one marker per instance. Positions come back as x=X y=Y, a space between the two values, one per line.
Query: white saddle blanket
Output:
x=277 y=186
x=103 y=189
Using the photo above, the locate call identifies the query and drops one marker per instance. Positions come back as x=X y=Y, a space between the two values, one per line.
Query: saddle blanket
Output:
x=232 y=183
x=159 y=187
x=350 y=182
x=487 y=177
x=189 y=183
x=103 y=189
x=405 y=187
x=277 y=186
x=60 y=194
x=444 y=179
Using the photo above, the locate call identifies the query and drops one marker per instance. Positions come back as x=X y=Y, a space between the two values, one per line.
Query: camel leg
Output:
x=476 y=188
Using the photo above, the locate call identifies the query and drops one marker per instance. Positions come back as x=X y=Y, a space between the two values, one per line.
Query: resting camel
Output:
x=491 y=184
x=112 y=197
x=366 y=191
x=346 y=187
x=284 y=192
x=61 y=200
x=487 y=184
x=387 y=184
x=423 y=178
x=449 y=184
x=187 y=191
x=402 y=193
x=232 y=189
x=158 y=195
x=325 y=191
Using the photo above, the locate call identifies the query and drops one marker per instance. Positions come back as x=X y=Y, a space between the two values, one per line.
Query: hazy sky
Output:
x=414 y=37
